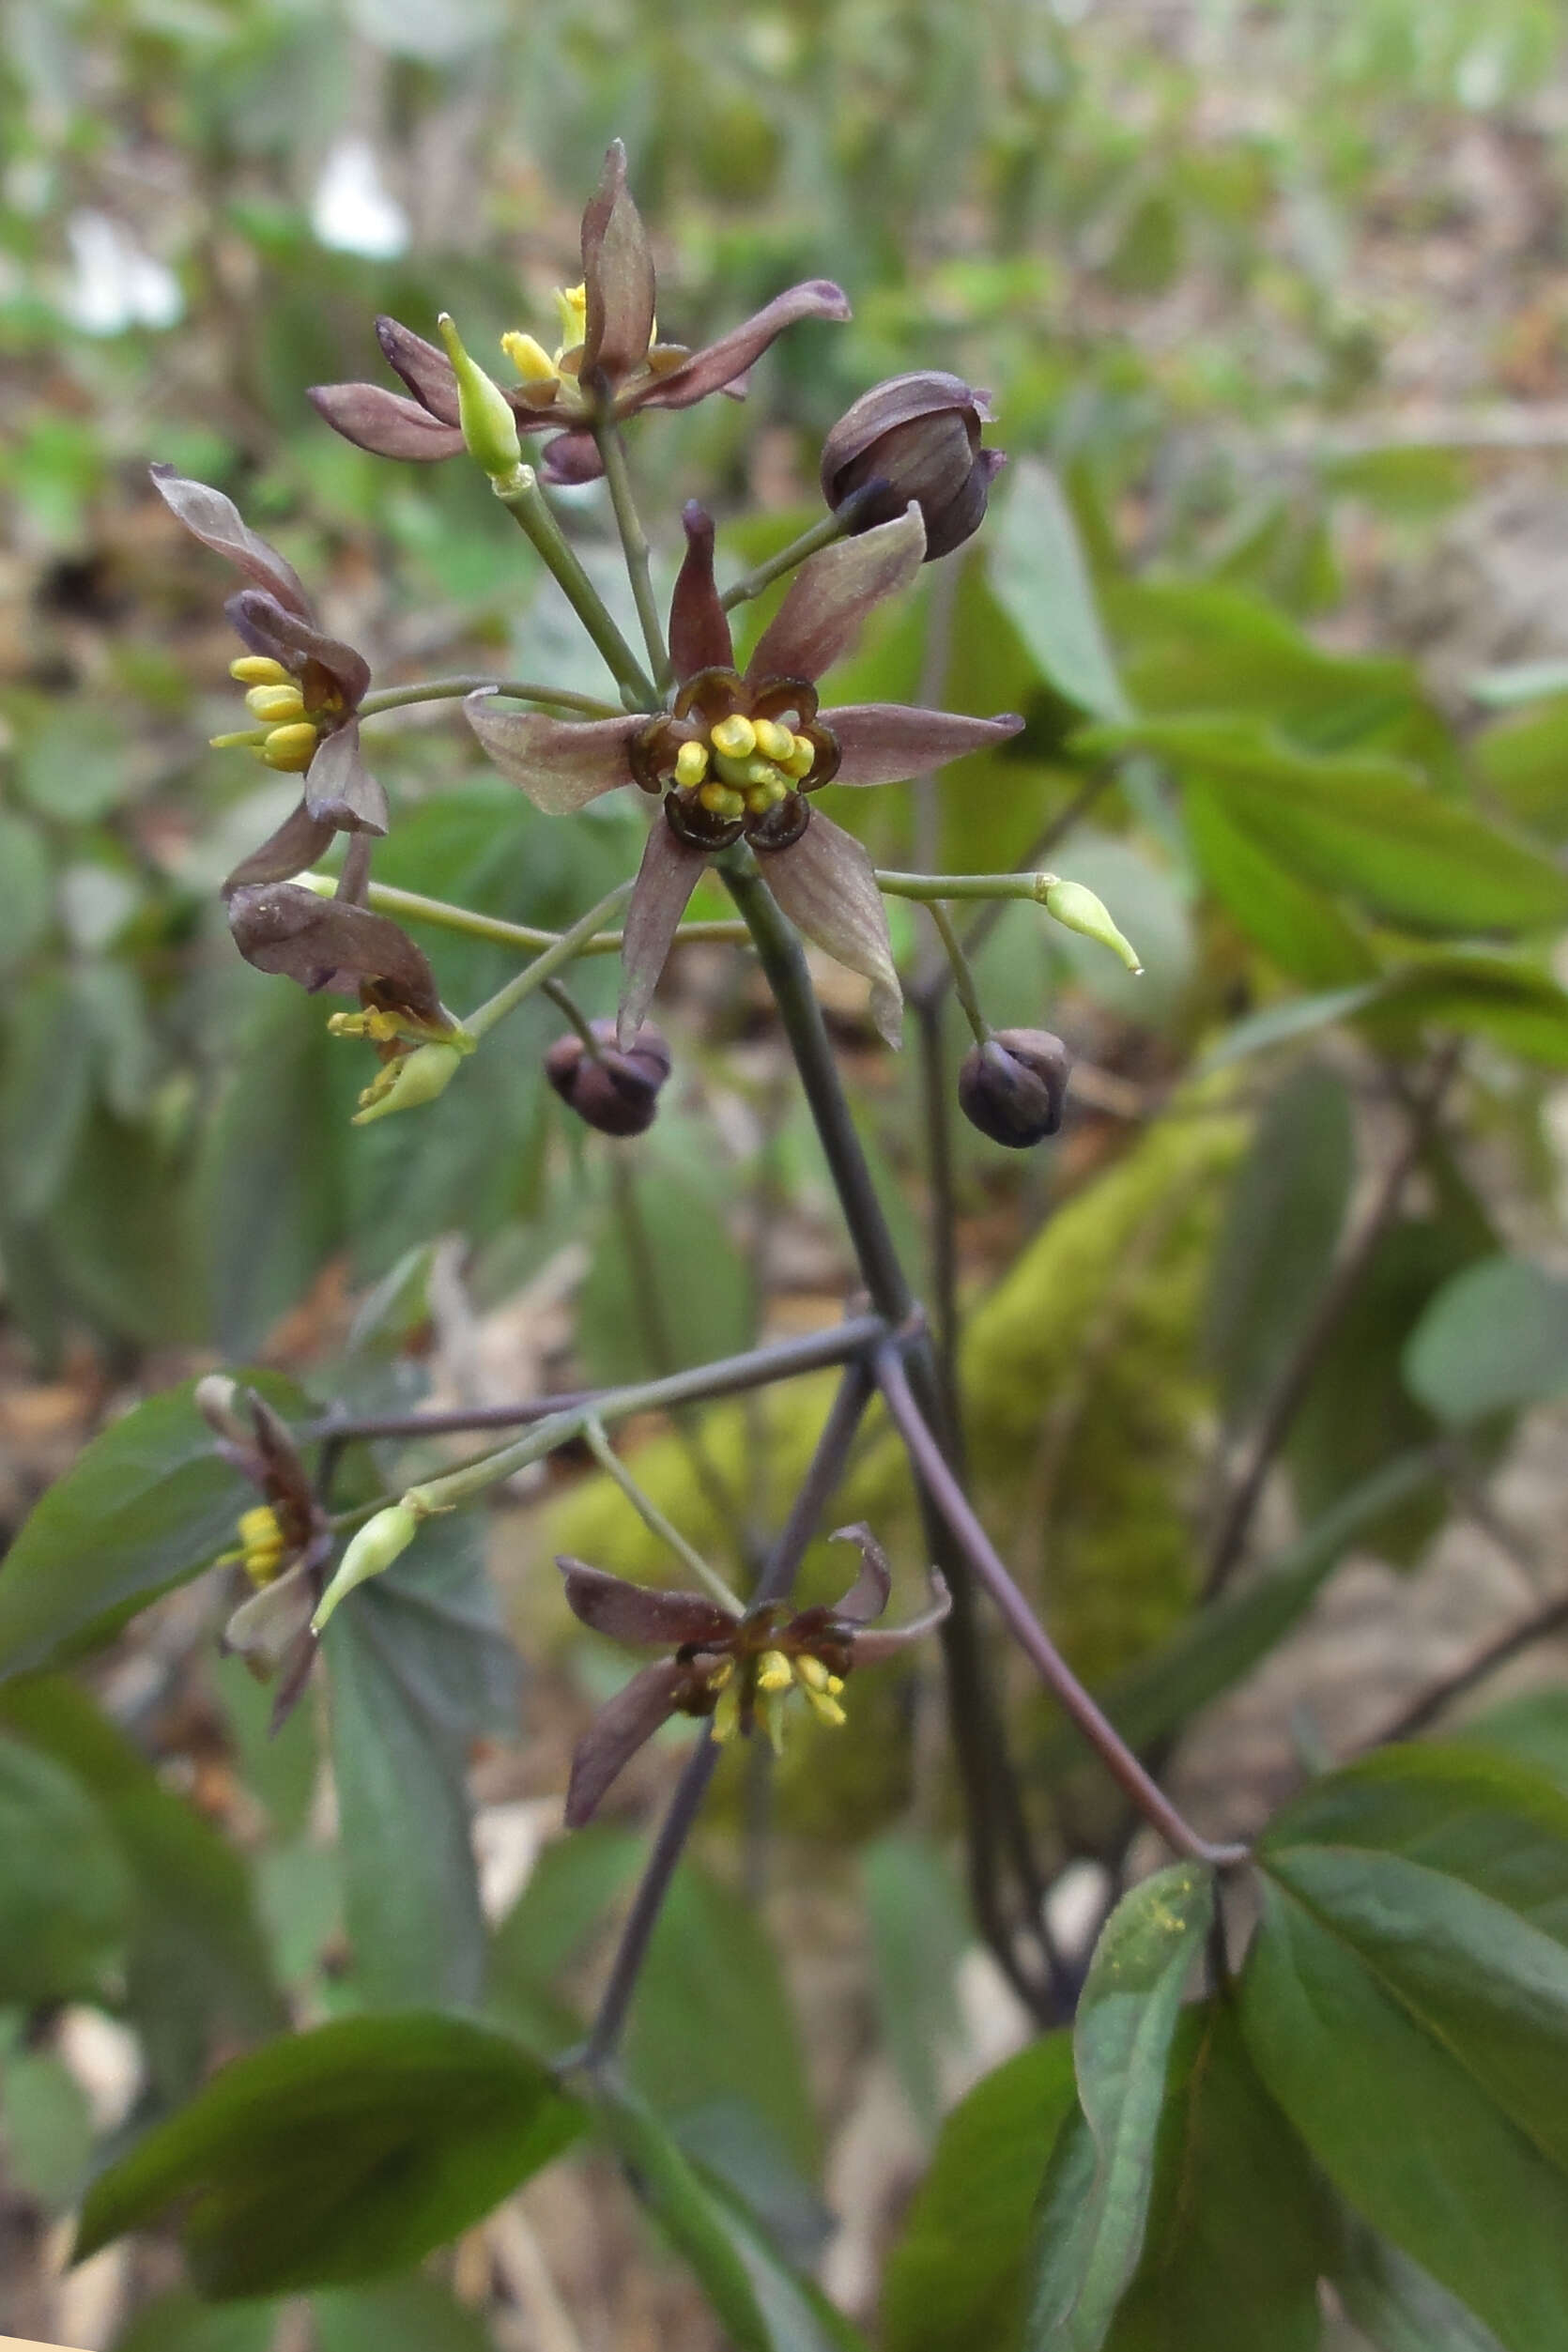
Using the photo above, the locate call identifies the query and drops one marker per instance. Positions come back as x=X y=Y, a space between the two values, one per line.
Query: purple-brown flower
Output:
x=614 y=1092
x=609 y=364
x=285 y=1542
x=339 y=948
x=304 y=687
x=736 y=757
x=731 y=1668
x=914 y=437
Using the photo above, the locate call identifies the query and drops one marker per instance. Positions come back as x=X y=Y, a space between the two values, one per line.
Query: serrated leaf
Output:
x=147 y=1504
x=339 y=2155
x=1093 y=2205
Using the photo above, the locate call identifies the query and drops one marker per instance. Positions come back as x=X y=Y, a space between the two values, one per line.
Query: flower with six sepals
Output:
x=734 y=1669
x=285 y=1542
x=607 y=365
x=914 y=437
x=303 y=687
x=735 y=756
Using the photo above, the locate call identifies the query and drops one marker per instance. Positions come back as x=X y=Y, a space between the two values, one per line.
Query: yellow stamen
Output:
x=759 y=798
x=250 y=736
x=276 y=704
x=530 y=358
x=258 y=670
x=570 y=303
x=773 y=1720
x=812 y=1673
x=381 y=1027
x=726 y=1715
x=801 y=760
x=775 y=1671
x=262 y=1544
x=773 y=741
x=691 y=764
x=720 y=801
x=291 y=748
x=827 y=1710
x=835 y=1685
x=736 y=737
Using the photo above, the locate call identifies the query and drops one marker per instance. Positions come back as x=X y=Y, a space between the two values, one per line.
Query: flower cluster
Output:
x=735 y=1671
x=286 y=1540
x=736 y=757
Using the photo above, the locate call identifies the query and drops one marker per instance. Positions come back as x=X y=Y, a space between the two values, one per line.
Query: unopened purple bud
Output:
x=916 y=436
x=613 y=1091
x=1013 y=1088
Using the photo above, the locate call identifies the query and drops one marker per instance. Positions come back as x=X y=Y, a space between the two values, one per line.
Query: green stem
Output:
x=634 y=545
x=930 y=887
x=515 y=690
x=566 y=1003
x=526 y=502
x=963 y=978
x=654 y=1521
x=415 y=908
x=752 y=583
x=543 y=967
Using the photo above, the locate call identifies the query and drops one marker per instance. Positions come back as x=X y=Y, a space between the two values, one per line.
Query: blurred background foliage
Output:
x=1273 y=303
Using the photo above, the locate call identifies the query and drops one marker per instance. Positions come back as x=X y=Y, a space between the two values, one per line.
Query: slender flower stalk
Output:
x=527 y=937
x=514 y=689
x=654 y=1520
x=526 y=502
x=963 y=978
x=561 y=952
x=763 y=574
x=634 y=546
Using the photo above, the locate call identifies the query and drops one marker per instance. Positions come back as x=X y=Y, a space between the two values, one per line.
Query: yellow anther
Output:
x=773 y=1671
x=735 y=737
x=827 y=1710
x=773 y=741
x=570 y=303
x=812 y=1673
x=801 y=760
x=262 y=1541
x=691 y=764
x=275 y=704
x=759 y=798
x=726 y=1715
x=530 y=358
x=720 y=801
x=835 y=1685
x=258 y=670
x=382 y=1026
x=291 y=748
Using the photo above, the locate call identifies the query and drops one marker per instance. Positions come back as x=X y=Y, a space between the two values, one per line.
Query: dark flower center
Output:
x=734 y=758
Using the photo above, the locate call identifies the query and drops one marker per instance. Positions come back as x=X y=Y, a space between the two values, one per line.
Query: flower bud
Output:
x=1078 y=910
x=488 y=425
x=916 y=436
x=616 y=1092
x=1012 y=1087
x=379 y=1543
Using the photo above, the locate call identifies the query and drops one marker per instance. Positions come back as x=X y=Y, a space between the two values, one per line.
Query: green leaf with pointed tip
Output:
x=147 y=1504
x=1361 y=827
x=1396 y=2305
x=340 y=2154
x=1298 y=927
x=65 y=1892
x=1240 y=2225
x=760 y=2301
x=1039 y=577
x=1494 y=1340
x=1283 y=1221
x=1094 y=2207
x=1406 y=2002
x=420 y=1666
x=956 y=2275
x=198 y=1976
